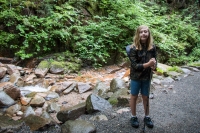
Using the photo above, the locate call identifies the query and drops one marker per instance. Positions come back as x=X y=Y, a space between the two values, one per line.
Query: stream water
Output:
x=28 y=89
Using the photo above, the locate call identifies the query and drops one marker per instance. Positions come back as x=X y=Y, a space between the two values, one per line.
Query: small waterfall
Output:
x=28 y=89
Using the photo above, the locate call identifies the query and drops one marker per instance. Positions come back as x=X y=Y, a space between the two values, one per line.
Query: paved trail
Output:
x=177 y=111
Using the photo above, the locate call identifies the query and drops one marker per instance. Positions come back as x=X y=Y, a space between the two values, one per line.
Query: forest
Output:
x=97 y=31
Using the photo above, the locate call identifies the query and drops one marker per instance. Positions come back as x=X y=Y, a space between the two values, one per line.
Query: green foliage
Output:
x=51 y=26
x=175 y=68
x=195 y=64
x=159 y=70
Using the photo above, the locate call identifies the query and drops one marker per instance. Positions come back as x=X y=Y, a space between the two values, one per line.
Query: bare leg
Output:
x=133 y=104
x=146 y=104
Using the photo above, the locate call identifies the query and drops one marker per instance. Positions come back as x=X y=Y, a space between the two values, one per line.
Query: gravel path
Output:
x=177 y=111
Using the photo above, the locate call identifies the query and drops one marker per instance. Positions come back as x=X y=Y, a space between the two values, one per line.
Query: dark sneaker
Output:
x=134 y=122
x=148 y=122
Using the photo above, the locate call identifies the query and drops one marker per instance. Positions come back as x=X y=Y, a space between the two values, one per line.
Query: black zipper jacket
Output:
x=138 y=58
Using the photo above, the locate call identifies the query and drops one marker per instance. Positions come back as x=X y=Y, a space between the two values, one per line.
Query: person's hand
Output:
x=152 y=63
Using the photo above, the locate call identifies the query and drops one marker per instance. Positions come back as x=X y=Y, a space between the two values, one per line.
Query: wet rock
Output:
x=78 y=126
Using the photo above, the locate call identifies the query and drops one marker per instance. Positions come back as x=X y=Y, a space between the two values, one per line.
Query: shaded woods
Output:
x=97 y=32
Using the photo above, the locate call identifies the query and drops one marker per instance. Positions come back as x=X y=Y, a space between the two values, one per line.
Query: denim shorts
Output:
x=142 y=86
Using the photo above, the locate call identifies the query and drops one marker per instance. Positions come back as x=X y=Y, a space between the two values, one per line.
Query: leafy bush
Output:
x=96 y=31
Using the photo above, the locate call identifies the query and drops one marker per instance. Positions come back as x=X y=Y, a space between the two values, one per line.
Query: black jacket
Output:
x=138 y=58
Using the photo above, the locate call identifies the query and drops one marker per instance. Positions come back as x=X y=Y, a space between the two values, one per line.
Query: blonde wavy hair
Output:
x=136 y=38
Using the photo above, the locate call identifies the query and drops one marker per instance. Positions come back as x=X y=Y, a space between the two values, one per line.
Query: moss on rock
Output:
x=44 y=64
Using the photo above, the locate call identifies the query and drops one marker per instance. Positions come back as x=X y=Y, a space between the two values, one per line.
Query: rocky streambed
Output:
x=39 y=100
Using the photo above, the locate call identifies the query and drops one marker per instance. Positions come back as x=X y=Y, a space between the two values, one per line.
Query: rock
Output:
x=19 y=113
x=35 y=122
x=78 y=126
x=167 y=80
x=96 y=103
x=14 y=78
x=4 y=84
x=101 y=89
x=6 y=78
x=123 y=100
x=42 y=69
x=69 y=89
x=13 y=109
x=30 y=77
x=116 y=96
x=51 y=95
x=38 y=111
x=120 y=111
x=65 y=87
x=12 y=91
x=71 y=113
x=83 y=87
x=12 y=69
x=57 y=67
x=2 y=72
x=174 y=74
x=52 y=108
x=25 y=100
x=5 y=100
x=7 y=125
x=157 y=81
x=37 y=101
x=28 y=111
x=163 y=67
x=117 y=84
x=99 y=118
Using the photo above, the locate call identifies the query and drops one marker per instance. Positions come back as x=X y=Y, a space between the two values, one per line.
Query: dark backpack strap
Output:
x=128 y=48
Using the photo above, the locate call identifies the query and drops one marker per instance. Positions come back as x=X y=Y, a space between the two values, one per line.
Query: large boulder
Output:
x=96 y=103
x=78 y=126
x=8 y=125
x=117 y=84
x=42 y=69
x=120 y=97
x=71 y=113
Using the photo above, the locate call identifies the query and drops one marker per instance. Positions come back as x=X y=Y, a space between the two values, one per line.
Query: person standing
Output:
x=143 y=60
